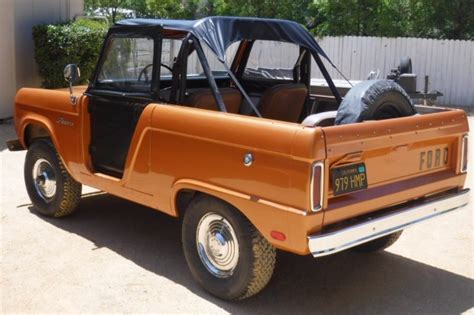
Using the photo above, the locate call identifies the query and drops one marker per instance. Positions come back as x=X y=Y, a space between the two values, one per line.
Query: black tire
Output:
x=405 y=65
x=60 y=201
x=378 y=244
x=256 y=257
x=374 y=100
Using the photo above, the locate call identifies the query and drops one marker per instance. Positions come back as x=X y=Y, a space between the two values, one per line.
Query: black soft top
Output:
x=219 y=32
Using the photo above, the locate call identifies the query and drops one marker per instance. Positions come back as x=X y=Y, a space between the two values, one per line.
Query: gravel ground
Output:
x=115 y=256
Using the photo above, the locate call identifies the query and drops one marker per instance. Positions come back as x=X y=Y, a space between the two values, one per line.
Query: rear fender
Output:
x=265 y=215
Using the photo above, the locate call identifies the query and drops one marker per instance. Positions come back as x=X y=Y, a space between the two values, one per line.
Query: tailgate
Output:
x=395 y=161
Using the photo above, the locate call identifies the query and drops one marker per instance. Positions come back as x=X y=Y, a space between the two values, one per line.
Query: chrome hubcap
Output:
x=217 y=245
x=44 y=179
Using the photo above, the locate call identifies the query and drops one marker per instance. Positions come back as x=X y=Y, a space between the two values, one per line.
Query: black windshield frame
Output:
x=218 y=33
x=153 y=32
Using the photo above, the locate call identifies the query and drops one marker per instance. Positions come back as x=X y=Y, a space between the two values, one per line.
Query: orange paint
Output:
x=177 y=148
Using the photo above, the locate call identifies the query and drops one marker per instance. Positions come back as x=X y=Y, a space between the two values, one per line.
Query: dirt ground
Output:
x=115 y=256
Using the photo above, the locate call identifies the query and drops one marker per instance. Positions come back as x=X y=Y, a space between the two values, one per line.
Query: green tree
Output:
x=359 y=17
x=283 y=9
x=110 y=8
x=452 y=19
x=166 y=8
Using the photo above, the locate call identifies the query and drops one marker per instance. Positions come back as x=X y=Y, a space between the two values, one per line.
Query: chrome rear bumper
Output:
x=336 y=241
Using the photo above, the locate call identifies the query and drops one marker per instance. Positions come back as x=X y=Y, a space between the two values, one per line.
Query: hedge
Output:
x=57 y=45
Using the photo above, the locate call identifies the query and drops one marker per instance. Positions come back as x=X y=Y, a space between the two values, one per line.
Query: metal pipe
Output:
x=210 y=77
x=239 y=86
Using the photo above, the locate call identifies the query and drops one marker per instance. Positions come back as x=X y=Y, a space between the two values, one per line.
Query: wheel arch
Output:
x=186 y=190
x=254 y=209
x=35 y=128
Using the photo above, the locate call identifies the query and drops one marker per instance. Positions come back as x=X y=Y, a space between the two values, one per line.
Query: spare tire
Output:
x=374 y=100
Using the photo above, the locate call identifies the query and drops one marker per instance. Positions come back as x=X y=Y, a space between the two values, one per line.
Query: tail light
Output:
x=317 y=186
x=464 y=153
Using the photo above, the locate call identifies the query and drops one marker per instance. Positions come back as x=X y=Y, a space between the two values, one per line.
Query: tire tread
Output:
x=265 y=257
x=72 y=190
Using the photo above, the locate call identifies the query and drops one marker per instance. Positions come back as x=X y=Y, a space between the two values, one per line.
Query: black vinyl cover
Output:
x=220 y=32
x=364 y=99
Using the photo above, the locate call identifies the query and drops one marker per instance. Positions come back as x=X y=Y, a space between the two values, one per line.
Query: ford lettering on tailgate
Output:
x=433 y=158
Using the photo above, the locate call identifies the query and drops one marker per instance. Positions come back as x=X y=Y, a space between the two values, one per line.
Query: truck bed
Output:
x=405 y=158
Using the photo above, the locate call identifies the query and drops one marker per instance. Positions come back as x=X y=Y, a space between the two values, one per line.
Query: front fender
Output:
x=52 y=111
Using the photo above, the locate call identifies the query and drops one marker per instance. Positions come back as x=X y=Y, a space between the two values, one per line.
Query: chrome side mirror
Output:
x=72 y=74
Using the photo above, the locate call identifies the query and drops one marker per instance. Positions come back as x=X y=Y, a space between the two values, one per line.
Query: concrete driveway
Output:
x=116 y=256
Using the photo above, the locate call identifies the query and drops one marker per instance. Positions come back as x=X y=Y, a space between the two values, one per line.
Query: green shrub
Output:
x=57 y=45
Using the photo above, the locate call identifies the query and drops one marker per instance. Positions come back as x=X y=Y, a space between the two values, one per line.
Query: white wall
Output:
x=7 y=57
x=17 y=18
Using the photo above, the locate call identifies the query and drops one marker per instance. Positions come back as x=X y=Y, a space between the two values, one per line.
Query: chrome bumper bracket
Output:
x=14 y=145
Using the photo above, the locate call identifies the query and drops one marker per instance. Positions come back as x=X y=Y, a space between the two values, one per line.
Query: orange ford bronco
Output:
x=181 y=117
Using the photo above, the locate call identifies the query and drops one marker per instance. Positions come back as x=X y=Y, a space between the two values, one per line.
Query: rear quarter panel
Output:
x=203 y=150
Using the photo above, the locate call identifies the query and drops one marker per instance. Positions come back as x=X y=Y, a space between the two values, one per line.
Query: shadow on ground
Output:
x=342 y=283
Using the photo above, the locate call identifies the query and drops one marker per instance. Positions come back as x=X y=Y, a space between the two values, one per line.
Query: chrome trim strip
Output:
x=465 y=139
x=330 y=243
x=316 y=208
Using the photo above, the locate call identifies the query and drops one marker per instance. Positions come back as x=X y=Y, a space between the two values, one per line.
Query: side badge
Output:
x=65 y=122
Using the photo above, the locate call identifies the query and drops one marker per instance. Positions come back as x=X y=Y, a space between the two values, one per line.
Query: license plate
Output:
x=348 y=178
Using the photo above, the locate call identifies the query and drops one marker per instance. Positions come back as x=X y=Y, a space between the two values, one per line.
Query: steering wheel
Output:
x=144 y=72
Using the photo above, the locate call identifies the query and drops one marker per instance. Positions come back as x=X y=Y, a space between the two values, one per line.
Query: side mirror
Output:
x=72 y=74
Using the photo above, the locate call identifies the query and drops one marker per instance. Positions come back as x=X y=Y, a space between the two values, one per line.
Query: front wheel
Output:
x=52 y=190
x=225 y=253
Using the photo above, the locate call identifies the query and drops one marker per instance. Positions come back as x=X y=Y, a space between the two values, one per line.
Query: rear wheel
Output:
x=51 y=189
x=225 y=253
x=378 y=244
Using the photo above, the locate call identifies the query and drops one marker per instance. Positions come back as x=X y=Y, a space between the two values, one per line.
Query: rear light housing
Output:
x=317 y=186
x=464 y=154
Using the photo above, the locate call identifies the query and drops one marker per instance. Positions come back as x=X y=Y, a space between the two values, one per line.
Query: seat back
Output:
x=283 y=102
x=204 y=99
